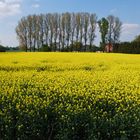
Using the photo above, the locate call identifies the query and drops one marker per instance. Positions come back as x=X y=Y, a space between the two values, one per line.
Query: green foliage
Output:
x=77 y=46
x=12 y=49
x=103 y=25
x=69 y=96
x=2 y=48
x=137 y=39
x=45 y=48
x=127 y=47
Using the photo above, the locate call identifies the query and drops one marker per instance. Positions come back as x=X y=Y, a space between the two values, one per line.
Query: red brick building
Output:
x=109 y=47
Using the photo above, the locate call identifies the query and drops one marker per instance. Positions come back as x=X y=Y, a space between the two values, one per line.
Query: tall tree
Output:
x=51 y=33
x=77 y=26
x=86 y=24
x=103 y=28
x=63 y=27
x=30 y=31
x=34 y=25
x=46 y=29
x=117 y=30
x=22 y=34
x=92 y=27
x=114 y=29
x=55 y=29
x=81 y=30
x=73 y=26
x=38 y=32
x=68 y=27
x=41 y=27
x=59 y=32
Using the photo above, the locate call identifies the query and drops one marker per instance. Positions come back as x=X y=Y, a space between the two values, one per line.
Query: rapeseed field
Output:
x=69 y=96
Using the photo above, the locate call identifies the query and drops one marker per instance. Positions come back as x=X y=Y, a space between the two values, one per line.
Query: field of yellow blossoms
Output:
x=69 y=96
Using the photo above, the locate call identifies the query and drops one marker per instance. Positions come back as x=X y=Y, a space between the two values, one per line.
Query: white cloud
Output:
x=9 y=7
x=36 y=5
x=9 y=40
x=130 y=27
x=129 y=31
x=113 y=11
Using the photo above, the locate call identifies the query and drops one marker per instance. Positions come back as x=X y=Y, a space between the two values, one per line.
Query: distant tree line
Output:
x=5 y=49
x=66 y=32
x=132 y=47
x=2 y=48
x=127 y=47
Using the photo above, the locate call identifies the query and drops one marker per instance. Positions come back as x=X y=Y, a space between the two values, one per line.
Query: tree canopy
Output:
x=61 y=32
x=57 y=31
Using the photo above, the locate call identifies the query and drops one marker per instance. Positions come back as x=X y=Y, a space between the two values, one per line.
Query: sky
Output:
x=11 y=11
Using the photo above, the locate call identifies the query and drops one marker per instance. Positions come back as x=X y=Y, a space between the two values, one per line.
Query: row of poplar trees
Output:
x=66 y=31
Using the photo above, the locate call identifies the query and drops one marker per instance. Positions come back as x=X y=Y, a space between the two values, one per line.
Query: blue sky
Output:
x=12 y=10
